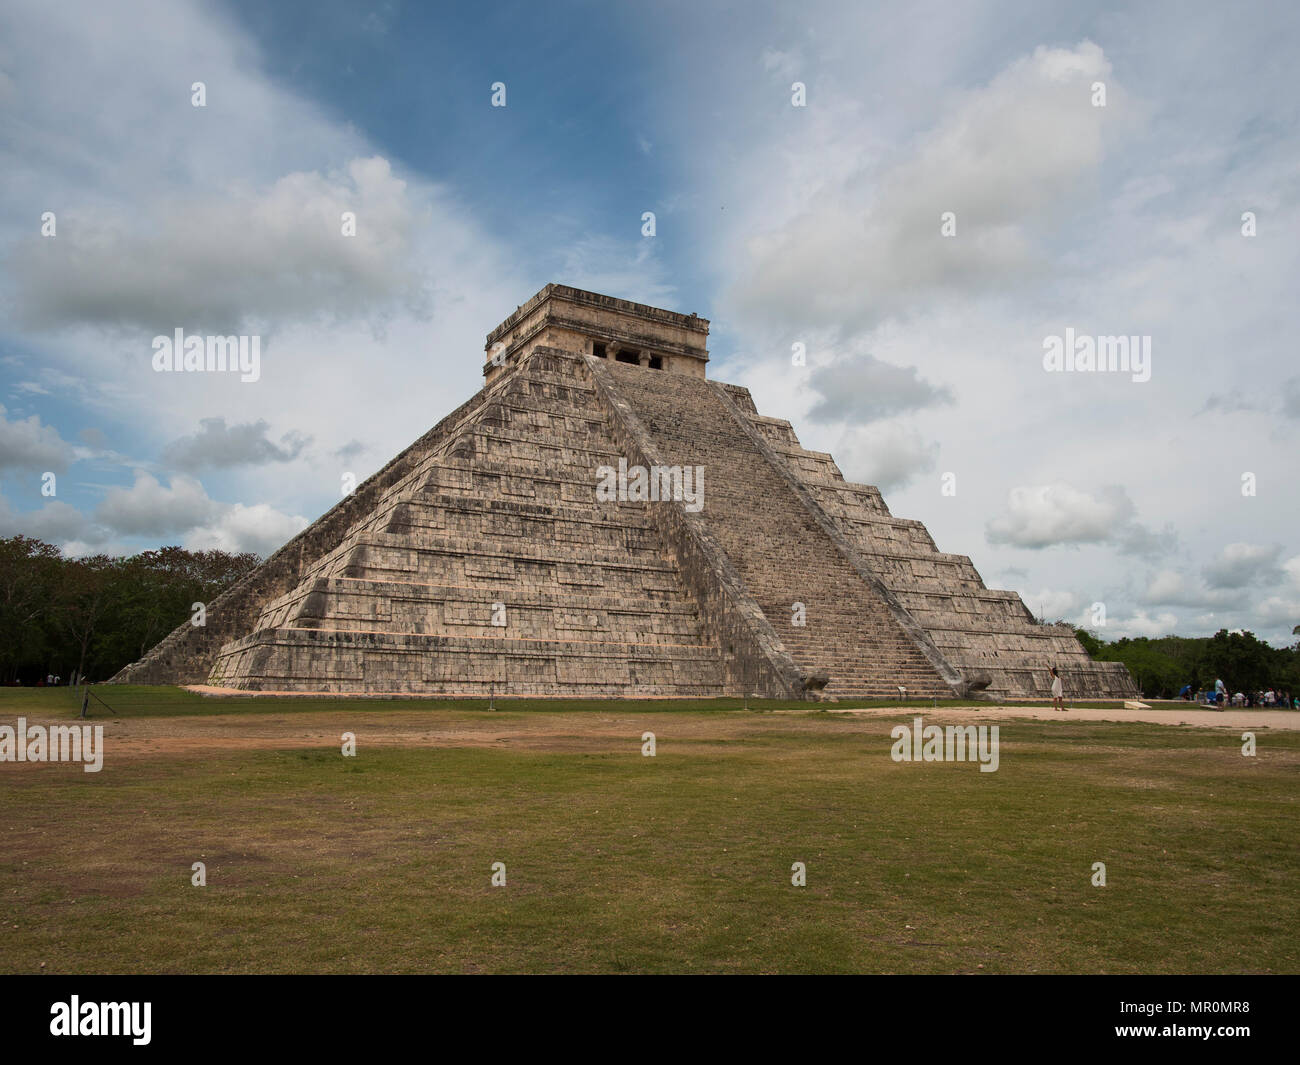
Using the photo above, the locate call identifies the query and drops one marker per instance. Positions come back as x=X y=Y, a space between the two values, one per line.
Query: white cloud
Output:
x=232 y=260
x=1141 y=624
x=1018 y=152
x=82 y=548
x=55 y=522
x=150 y=508
x=1053 y=604
x=1240 y=565
x=784 y=65
x=209 y=218
x=884 y=454
x=219 y=445
x=1046 y=515
x=183 y=508
x=28 y=445
x=1168 y=587
x=259 y=528
x=864 y=388
x=164 y=512
x=1282 y=607
x=1291 y=398
x=1255 y=592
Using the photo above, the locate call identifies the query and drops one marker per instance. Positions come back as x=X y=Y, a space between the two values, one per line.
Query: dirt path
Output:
x=152 y=737
x=162 y=737
x=1233 y=719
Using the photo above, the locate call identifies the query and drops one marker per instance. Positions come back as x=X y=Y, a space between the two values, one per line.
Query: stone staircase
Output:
x=778 y=548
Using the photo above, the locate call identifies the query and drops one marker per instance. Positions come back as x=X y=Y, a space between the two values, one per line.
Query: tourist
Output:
x=1058 y=691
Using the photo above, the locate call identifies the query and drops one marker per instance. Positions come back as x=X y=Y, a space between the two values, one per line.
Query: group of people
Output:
x=1220 y=696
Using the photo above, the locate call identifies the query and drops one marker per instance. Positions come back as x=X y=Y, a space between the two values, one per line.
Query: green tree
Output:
x=1091 y=643
x=81 y=601
x=1239 y=659
x=28 y=579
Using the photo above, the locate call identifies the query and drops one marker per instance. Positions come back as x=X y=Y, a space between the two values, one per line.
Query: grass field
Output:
x=148 y=701
x=617 y=862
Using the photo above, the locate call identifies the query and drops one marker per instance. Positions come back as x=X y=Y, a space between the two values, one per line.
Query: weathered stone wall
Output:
x=186 y=656
x=571 y=319
x=503 y=514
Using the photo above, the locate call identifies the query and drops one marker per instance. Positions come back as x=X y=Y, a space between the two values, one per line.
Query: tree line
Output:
x=1161 y=667
x=91 y=616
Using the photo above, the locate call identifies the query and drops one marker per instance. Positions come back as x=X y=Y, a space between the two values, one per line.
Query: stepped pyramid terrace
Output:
x=602 y=519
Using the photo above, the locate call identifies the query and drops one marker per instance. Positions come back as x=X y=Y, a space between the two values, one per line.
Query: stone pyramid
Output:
x=490 y=556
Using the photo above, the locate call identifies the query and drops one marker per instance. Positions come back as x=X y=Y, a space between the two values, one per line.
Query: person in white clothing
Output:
x=1058 y=691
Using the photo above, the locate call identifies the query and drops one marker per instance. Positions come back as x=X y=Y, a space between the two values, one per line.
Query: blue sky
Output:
x=817 y=225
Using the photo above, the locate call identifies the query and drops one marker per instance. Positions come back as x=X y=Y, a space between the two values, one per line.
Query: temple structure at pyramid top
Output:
x=588 y=323
x=601 y=519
